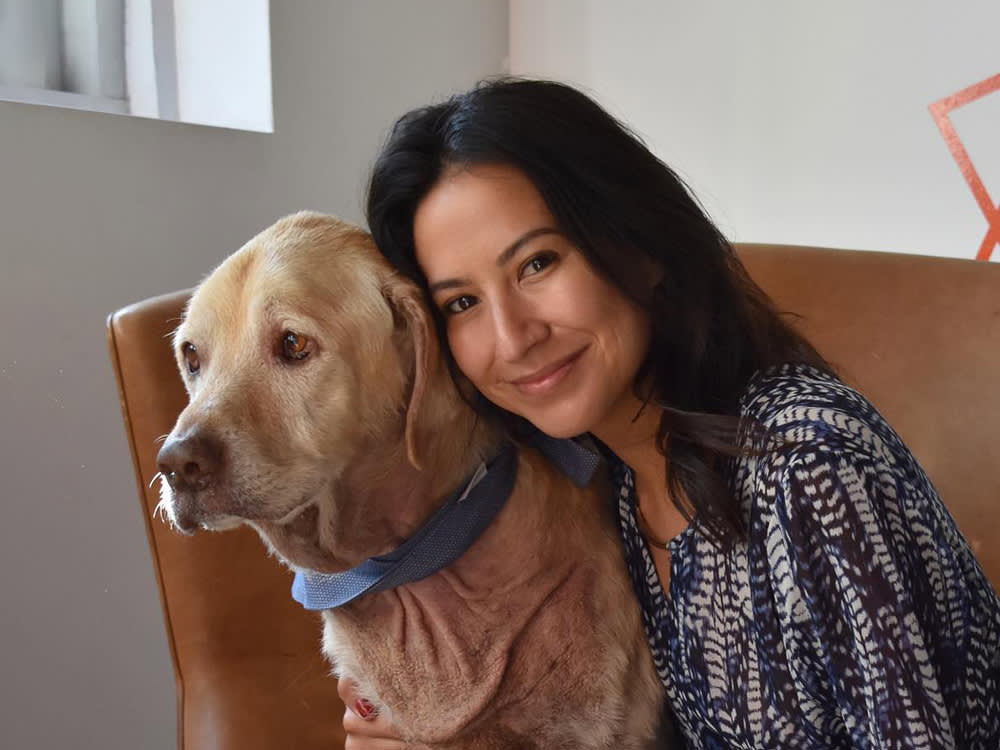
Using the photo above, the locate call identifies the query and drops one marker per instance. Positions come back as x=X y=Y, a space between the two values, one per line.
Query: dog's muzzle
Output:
x=192 y=465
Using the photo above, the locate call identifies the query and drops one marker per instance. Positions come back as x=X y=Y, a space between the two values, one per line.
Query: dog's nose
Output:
x=192 y=461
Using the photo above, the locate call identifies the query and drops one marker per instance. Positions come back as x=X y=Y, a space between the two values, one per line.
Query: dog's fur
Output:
x=533 y=637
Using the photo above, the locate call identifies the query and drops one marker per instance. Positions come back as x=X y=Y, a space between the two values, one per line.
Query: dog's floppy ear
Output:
x=410 y=309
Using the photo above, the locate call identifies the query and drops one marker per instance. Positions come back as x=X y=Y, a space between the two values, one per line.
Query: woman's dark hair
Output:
x=638 y=225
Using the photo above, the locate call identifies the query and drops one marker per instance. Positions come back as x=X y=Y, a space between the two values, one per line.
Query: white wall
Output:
x=97 y=211
x=795 y=122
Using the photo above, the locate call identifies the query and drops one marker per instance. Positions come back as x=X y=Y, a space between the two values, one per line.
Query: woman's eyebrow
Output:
x=511 y=251
x=502 y=259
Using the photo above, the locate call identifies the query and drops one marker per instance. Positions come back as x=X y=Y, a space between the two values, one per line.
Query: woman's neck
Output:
x=631 y=434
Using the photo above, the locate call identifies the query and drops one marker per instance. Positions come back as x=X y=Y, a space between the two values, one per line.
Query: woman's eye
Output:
x=295 y=346
x=191 y=357
x=538 y=263
x=460 y=304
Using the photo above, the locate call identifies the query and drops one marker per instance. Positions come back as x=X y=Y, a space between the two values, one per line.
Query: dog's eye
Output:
x=191 y=357
x=295 y=346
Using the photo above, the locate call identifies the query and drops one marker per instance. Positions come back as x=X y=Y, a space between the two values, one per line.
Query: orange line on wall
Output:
x=940 y=111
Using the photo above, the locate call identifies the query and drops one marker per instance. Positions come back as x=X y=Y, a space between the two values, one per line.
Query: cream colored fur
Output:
x=533 y=638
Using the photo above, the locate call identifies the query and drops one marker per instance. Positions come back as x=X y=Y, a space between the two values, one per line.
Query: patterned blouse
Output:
x=854 y=616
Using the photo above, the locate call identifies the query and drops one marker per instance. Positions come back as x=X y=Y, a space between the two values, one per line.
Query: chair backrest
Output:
x=919 y=336
x=246 y=657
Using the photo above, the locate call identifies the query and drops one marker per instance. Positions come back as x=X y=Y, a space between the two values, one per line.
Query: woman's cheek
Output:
x=468 y=351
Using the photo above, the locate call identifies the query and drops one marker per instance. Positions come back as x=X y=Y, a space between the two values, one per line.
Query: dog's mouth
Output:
x=182 y=510
x=216 y=509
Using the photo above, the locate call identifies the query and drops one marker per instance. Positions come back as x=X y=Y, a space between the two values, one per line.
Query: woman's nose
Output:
x=517 y=330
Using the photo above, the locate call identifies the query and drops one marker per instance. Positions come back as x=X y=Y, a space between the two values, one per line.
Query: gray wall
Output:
x=97 y=211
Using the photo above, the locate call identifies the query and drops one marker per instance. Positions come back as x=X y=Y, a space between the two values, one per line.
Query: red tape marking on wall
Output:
x=939 y=111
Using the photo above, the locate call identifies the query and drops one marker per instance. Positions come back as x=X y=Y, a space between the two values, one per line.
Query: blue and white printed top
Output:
x=854 y=616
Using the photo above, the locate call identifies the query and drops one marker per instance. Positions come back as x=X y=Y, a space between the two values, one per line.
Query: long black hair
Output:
x=639 y=226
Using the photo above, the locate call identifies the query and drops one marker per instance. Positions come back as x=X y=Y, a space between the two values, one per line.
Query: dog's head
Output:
x=301 y=351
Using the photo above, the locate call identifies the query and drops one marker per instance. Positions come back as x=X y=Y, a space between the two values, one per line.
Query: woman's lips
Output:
x=548 y=377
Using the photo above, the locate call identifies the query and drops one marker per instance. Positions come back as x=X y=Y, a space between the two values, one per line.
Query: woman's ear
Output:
x=410 y=311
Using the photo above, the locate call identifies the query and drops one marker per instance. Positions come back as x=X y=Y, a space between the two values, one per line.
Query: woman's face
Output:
x=529 y=321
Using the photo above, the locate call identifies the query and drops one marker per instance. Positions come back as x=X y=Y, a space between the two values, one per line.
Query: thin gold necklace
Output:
x=647 y=533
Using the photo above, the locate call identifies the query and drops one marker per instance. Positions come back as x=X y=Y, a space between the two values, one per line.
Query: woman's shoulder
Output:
x=795 y=385
x=804 y=405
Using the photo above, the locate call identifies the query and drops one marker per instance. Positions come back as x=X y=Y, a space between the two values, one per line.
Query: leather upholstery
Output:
x=919 y=336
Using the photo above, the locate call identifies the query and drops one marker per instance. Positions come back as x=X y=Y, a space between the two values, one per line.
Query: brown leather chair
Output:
x=920 y=336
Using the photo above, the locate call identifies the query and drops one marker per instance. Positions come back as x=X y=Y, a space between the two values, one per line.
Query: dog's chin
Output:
x=222 y=523
x=186 y=512
x=188 y=525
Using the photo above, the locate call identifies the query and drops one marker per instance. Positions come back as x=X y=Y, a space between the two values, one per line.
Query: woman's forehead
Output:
x=476 y=213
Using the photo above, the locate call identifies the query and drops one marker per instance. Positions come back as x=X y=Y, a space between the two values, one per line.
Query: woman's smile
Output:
x=545 y=379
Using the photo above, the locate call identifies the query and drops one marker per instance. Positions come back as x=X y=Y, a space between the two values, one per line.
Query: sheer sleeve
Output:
x=884 y=577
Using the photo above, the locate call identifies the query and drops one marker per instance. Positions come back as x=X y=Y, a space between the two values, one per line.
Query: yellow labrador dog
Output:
x=322 y=414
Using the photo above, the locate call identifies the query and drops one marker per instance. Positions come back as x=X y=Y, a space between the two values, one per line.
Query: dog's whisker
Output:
x=156 y=476
x=172 y=333
x=162 y=437
x=160 y=512
x=291 y=683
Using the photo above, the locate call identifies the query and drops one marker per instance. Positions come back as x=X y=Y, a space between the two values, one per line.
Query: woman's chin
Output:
x=570 y=424
x=560 y=433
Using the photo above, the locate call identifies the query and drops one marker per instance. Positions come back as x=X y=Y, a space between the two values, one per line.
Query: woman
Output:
x=801 y=582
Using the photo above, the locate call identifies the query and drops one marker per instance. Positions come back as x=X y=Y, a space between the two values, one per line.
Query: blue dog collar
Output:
x=447 y=535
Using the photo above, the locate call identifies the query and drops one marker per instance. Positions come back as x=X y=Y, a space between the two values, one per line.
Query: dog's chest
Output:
x=442 y=663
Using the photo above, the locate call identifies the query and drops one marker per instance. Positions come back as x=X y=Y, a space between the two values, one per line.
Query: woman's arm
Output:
x=894 y=598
